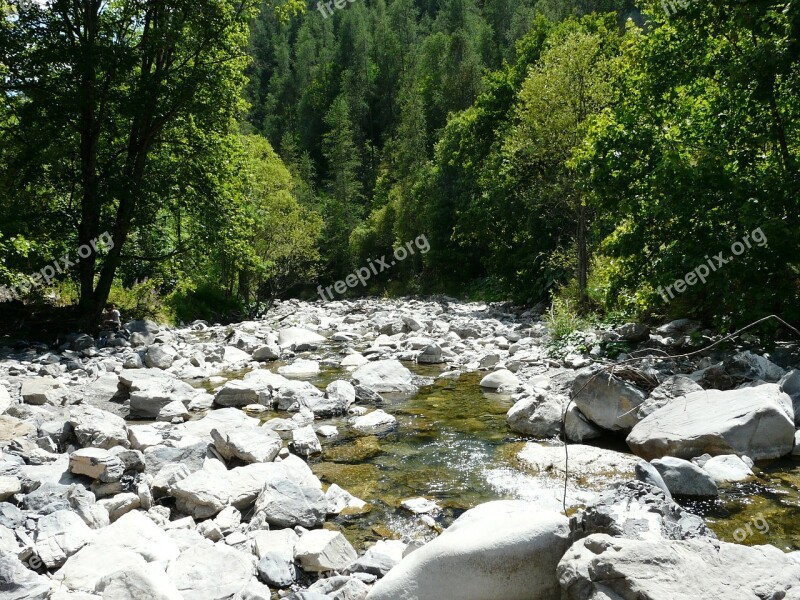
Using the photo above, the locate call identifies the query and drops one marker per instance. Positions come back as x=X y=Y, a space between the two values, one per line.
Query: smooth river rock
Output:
x=601 y=567
x=504 y=550
x=756 y=421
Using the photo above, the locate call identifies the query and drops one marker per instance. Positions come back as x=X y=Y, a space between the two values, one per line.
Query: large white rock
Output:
x=5 y=399
x=206 y=572
x=377 y=421
x=96 y=463
x=584 y=461
x=151 y=390
x=684 y=478
x=305 y=441
x=500 y=380
x=385 y=376
x=727 y=468
x=537 y=415
x=137 y=533
x=299 y=339
x=257 y=445
x=607 y=400
x=84 y=569
x=600 y=566
x=150 y=582
x=205 y=493
x=301 y=367
x=505 y=550
x=59 y=535
x=291 y=495
x=98 y=428
x=41 y=390
x=223 y=420
x=324 y=550
x=757 y=422
x=160 y=357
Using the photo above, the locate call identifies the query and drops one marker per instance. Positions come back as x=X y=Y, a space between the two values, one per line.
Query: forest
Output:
x=611 y=159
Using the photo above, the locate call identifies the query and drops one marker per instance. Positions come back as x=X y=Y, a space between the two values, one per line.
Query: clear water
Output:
x=452 y=445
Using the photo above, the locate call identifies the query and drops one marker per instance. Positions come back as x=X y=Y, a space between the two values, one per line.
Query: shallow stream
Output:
x=452 y=446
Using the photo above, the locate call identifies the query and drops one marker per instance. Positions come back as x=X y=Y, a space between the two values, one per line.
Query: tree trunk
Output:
x=583 y=256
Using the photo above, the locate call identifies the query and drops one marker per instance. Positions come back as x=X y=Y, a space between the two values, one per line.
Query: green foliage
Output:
x=562 y=318
x=205 y=301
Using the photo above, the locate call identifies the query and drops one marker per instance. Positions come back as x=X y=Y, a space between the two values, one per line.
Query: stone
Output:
x=432 y=355
x=174 y=410
x=757 y=422
x=96 y=463
x=300 y=368
x=211 y=572
x=267 y=352
x=205 y=493
x=299 y=339
x=636 y=509
x=237 y=394
x=341 y=588
x=584 y=461
x=41 y=390
x=323 y=550
x=257 y=445
x=190 y=456
x=12 y=428
x=17 y=582
x=419 y=506
x=727 y=468
x=381 y=558
x=503 y=550
x=59 y=535
x=353 y=360
x=98 y=428
x=5 y=399
x=684 y=478
x=9 y=486
x=277 y=569
x=647 y=473
x=377 y=421
x=150 y=582
x=606 y=400
x=86 y=567
x=228 y=519
x=500 y=380
x=578 y=428
x=341 y=394
x=291 y=495
x=600 y=566
x=341 y=501
x=305 y=441
x=160 y=357
x=790 y=385
x=633 y=332
x=385 y=376
x=537 y=415
x=120 y=504
x=137 y=533
x=673 y=387
x=151 y=390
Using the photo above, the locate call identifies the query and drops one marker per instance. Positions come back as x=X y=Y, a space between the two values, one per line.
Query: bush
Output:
x=205 y=301
x=562 y=318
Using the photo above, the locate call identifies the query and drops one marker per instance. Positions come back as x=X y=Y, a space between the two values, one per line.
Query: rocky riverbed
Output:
x=397 y=450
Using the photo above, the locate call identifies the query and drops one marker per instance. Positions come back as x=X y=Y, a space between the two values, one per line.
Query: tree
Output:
x=700 y=150
x=284 y=234
x=570 y=84
x=120 y=110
